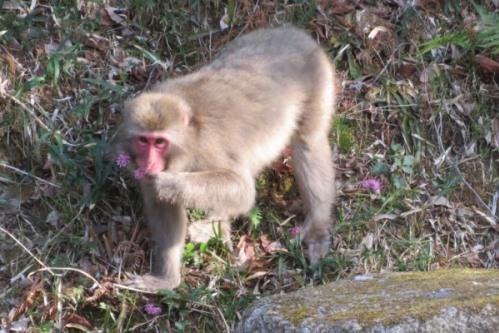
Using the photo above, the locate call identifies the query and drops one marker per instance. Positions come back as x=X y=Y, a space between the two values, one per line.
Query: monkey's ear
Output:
x=185 y=116
x=185 y=111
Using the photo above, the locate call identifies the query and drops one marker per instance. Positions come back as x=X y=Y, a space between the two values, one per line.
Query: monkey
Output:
x=201 y=139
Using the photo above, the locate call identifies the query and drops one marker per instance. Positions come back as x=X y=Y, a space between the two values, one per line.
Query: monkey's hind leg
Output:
x=312 y=158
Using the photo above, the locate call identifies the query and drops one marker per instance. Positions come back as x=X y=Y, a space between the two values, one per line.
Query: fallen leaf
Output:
x=407 y=70
x=30 y=298
x=486 y=64
x=376 y=31
x=97 y=42
x=431 y=7
x=257 y=275
x=270 y=247
x=245 y=251
x=112 y=12
x=440 y=201
x=341 y=7
x=73 y=318
x=104 y=289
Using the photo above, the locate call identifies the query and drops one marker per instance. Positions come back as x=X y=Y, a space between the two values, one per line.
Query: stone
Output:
x=456 y=300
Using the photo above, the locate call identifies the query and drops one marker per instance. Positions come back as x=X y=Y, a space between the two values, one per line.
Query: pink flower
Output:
x=295 y=231
x=372 y=184
x=152 y=309
x=122 y=160
x=139 y=174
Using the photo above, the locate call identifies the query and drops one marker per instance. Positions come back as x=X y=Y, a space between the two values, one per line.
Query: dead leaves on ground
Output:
x=48 y=309
x=487 y=64
x=254 y=254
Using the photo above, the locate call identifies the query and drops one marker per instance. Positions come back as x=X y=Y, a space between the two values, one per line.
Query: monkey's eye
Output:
x=159 y=142
x=143 y=140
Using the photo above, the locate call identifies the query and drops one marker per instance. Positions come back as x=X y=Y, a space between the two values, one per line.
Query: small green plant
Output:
x=109 y=318
x=402 y=165
x=196 y=214
x=190 y=255
x=343 y=134
x=488 y=35
x=401 y=160
x=295 y=255
x=47 y=327
x=255 y=218
x=457 y=38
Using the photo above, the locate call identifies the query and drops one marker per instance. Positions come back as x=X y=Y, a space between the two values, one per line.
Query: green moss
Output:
x=417 y=308
x=343 y=133
x=387 y=299
x=298 y=313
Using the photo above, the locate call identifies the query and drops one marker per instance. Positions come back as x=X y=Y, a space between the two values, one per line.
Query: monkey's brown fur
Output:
x=225 y=123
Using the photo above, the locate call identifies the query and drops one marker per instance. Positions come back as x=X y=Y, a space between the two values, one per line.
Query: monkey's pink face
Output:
x=151 y=150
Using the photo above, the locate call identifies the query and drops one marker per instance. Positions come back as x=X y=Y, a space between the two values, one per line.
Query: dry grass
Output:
x=418 y=113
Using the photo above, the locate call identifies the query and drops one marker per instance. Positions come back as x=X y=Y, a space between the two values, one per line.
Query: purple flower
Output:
x=371 y=184
x=139 y=174
x=152 y=309
x=295 y=231
x=122 y=160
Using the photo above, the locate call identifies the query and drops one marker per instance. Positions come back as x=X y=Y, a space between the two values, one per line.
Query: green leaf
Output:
x=380 y=168
x=54 y=69
x=203 y=247
x=456 y=38
x=398 y=181
x=255 y=218
x=189 y=247
x=407 y=164
x=352 y=66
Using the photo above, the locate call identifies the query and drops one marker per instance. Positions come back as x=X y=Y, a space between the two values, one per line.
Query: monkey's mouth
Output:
x=149 y=171
x=154 y=169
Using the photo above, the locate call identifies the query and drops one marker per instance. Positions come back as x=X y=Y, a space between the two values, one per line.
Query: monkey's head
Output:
x=154 y=124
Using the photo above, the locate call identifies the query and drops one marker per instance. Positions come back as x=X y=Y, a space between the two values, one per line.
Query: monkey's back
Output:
x=256 y=86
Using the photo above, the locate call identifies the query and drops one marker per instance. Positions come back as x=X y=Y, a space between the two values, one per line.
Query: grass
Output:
x=416 y=114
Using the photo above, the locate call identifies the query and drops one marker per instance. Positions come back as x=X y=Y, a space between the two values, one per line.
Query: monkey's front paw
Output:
x=166 y=185
x=152 y=283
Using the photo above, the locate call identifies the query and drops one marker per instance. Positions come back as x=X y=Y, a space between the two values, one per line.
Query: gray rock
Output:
x=461 y=300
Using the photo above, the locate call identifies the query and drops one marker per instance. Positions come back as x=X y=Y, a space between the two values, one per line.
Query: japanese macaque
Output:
x=201 y=139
